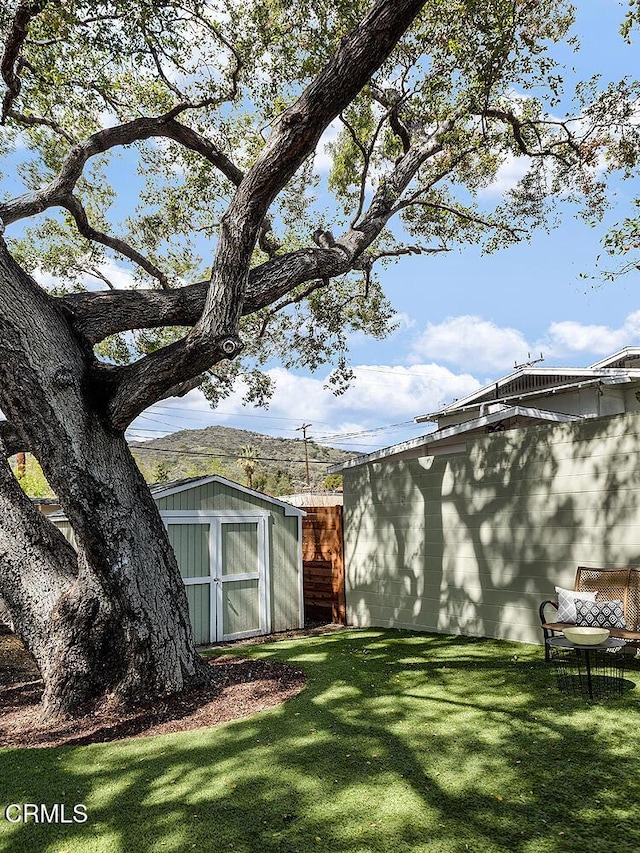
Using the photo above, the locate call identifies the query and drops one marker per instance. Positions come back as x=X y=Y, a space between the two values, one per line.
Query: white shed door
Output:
x=224 y=566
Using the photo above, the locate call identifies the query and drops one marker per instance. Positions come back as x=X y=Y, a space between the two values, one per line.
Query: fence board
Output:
x=323 y=564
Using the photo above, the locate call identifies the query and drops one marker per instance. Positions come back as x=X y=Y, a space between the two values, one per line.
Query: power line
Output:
x=215 y=412
x=226 y=455
x=335 y=436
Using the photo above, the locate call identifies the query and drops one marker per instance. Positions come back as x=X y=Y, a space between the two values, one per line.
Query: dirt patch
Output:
x=242 y=687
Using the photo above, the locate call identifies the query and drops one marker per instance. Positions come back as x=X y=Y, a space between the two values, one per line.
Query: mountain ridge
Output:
x=280 y=464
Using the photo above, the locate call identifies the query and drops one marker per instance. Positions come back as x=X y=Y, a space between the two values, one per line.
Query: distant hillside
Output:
x=278 y=463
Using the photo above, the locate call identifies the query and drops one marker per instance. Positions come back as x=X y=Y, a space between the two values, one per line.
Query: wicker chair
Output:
x=608 y=584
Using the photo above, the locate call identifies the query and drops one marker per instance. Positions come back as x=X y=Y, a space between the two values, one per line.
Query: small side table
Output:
x=593 y=672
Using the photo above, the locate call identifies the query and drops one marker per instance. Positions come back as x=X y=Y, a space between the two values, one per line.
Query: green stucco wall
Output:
x=471 y=543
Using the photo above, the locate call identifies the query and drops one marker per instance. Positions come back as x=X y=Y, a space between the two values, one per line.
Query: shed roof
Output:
x=162 y=490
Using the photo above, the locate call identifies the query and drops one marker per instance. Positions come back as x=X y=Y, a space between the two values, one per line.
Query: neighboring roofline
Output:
x=315 y=499
x=615 y=376
x=437 y=436
x=625 y=351
x=160 y=490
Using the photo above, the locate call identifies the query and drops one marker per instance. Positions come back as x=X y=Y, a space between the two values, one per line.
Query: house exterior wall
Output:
x=585 y=401
x=471 y=543
x=284 y=544
x=631 y=401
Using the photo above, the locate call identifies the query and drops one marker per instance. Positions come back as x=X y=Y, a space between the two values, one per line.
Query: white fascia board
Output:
x=410 y=444
x=625 y=352
x=496 y=417
x=216 y=478
x=437 y=437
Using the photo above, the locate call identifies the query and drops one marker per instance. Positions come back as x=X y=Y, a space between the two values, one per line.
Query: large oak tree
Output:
x=210 y=112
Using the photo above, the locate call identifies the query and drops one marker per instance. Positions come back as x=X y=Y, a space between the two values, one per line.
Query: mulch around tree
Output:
x=241 y=687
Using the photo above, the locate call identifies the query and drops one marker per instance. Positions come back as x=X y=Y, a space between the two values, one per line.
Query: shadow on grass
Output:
x=400 y=742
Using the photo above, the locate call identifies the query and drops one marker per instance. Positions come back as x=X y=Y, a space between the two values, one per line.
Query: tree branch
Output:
x=11 y=440
x=75 y=208
x=135 y=387
x=407 y=250
x=10 y=62
x=365 y=153
x=96 y=315
x=40 y=121
x=190 y=138
x=103 y=140
x=469 y=217
x=59 y=192
x=392 y=102
x=293 y=138
x=518 y=126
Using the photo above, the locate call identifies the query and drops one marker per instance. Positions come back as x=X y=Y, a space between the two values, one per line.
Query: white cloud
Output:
x=512 y=170
x=568 y=336
x=363 y=418
x=472 y=343
x=379 y=395
x=404 y=321
x=481 y=346
x=120 y=277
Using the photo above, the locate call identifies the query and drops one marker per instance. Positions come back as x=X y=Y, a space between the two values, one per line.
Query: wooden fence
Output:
x=323 y=564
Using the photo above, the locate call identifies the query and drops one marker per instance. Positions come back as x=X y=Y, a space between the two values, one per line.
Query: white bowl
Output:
x=586 y=636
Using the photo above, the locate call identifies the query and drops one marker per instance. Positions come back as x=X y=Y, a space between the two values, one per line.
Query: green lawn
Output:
x=400 y=742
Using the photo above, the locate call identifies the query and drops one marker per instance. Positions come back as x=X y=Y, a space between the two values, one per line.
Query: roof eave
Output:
x=438 y=436
x=615 y=376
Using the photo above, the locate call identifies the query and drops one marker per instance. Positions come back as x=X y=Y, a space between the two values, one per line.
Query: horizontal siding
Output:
x=472 y=542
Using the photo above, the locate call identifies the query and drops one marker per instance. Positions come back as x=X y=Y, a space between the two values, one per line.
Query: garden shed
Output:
x=239 y=553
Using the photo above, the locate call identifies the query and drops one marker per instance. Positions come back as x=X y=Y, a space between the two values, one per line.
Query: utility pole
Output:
x=304 y=429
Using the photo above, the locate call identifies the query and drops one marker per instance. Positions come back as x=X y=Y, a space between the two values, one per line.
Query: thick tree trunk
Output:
x=123 y=627
x=112 y=621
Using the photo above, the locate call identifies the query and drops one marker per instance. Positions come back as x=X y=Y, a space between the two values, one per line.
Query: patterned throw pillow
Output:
x=567 y=603
x=600 y=614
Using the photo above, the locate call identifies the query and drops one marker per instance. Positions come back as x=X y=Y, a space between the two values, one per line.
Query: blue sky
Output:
x=465 y=319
